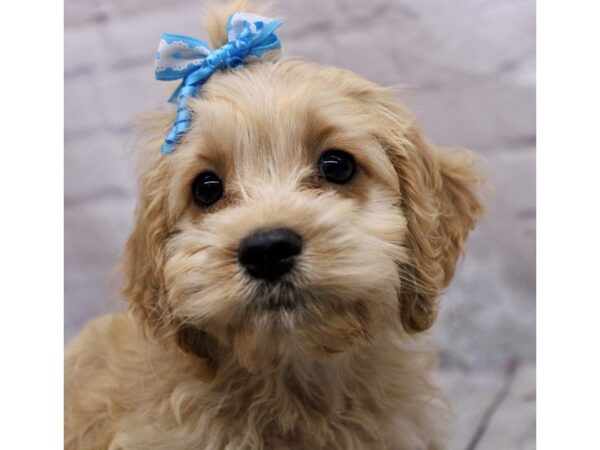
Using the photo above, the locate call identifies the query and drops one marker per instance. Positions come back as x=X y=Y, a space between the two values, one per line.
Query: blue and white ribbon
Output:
x=183 y=57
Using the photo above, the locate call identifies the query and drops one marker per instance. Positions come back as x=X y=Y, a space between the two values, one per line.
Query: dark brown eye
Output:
x=337 y=166
x=207 y=189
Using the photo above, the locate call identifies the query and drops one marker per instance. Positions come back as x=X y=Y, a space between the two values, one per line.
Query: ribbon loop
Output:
x=192 y=61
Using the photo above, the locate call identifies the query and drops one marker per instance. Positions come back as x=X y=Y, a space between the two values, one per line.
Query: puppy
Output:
x=285 y=262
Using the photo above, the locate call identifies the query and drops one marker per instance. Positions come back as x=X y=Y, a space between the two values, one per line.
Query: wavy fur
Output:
x=202 y=359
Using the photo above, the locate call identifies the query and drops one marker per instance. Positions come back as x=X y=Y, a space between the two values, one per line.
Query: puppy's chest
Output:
x=270 y=414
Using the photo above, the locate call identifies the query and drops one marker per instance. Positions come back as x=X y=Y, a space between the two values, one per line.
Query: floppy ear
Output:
x=146 y=253
x=441 y=207
x=439 y=200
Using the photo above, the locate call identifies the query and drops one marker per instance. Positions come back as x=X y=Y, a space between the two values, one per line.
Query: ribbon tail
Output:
x=175 y=95
x=179 y=128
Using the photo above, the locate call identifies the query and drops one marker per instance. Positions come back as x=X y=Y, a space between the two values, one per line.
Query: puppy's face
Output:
x=303 y=213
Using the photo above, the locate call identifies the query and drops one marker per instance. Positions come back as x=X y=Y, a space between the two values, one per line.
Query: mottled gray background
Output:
x=469 y=71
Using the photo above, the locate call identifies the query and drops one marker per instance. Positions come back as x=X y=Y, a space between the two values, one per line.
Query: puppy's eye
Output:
x=207 y=188
x=337 y=166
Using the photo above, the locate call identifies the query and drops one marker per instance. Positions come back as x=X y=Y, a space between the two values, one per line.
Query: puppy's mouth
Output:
x=282 y=295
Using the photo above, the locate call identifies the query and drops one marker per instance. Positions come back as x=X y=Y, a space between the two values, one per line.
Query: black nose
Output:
x=269 y=254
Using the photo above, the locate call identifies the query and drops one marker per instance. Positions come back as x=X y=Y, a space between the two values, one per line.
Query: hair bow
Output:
x=183 y=57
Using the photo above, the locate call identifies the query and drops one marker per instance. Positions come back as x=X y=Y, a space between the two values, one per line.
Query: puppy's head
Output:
x=302 y=213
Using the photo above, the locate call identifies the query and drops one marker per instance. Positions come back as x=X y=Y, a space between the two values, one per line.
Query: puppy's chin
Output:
x=288 y=324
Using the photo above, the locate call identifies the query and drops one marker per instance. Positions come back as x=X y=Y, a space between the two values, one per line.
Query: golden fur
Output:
x=198 y=361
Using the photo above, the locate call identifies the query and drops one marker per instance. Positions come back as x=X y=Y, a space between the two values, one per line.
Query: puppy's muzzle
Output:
x=270 y=254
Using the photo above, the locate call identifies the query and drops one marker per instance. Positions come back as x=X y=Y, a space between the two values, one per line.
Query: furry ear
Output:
x=441 y=207
x=146 y=252
x=216 y=16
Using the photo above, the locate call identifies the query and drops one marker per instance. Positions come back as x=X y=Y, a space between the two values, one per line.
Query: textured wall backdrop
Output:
x=468 y=67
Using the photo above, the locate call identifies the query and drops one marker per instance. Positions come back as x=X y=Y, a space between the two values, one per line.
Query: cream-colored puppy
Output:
x=283 y=263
